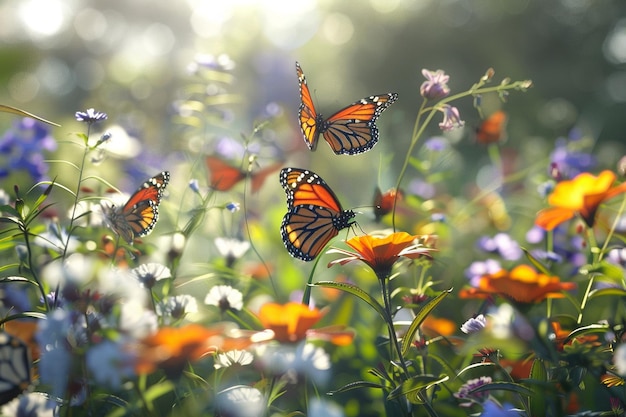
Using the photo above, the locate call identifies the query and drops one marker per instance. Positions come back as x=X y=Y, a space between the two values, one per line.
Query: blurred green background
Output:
x=130 y=58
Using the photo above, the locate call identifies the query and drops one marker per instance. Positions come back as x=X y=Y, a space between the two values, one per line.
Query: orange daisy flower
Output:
x=582 y=195
x=522 y=284
x=172 y=348
x=380 y=253
x=292 y=323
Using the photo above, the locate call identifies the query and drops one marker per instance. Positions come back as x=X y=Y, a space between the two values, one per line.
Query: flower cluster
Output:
x=476 y=297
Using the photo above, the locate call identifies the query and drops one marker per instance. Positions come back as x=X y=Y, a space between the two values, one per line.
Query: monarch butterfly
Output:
x=383 y=203
x=224 y=176
x=351 y=130
x=140 y=213
x=492 y=129
x=314 y=214
x=15 y=374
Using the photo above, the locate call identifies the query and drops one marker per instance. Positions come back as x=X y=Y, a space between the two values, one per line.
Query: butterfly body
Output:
x=314 y=214
x=351 y=130
x=492 y=129
x=140 y=213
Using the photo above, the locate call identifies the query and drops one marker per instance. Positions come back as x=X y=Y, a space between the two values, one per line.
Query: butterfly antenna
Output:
x=251 y=159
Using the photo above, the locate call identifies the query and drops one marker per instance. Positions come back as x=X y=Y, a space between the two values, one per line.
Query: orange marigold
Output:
x=582 y=195
x=522 y=284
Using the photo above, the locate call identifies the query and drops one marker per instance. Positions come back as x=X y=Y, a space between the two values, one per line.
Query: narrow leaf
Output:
x=416 y=384
x=503 y=386
x=9 y=109
x=537 y=401
x=419 y=319
x=541 y=267
x=356 y=385
x=354 y=290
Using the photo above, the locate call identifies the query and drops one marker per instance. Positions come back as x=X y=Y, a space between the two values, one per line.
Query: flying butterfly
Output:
x=224 y=176
x=351 y=130
x=384 y=202
x=15 y=367
x=492 y=129
x=140 y=213
x=314 y=214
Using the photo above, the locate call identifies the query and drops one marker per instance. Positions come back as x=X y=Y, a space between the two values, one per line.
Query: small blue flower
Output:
x=193 y=184
x=233 y=207
x=436 y=144
x=23 y=146
x=90 y=116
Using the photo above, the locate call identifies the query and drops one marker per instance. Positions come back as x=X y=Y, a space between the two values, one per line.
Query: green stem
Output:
x=418 y=129
x=593 y=246
x=392 y=332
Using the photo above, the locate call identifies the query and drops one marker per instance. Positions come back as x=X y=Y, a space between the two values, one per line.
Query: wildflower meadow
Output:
x=320 y=254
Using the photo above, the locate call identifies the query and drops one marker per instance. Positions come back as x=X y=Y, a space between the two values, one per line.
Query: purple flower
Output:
x=479 y=268
x=464 y=393
x=90 y=116
x=451 y=118
x=501 y=244
x=567 y=161
x=436 y=144
x=23 y=147
x=474 y=324
x=435 y=85
x=617 y=256
x=493 y=409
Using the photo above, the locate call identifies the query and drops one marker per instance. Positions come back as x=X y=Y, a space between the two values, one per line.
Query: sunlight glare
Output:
x=44 y=18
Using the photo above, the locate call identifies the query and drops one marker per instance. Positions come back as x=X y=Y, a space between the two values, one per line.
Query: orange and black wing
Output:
x=314 y=215
x=258 y=177
x=307 y=115
x=351 y=130
x=492 y=129
x=223 y=176
x=139 y=215
x=15 y=364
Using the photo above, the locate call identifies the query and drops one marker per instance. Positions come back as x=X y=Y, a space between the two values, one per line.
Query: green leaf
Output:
x=592 y=328
x=354 y=290
x=356 y=385
x=413 y=386
x=607 y=271
x=537 y=400
x=541 y=267
x=503 y=386
x=9 y=109
x=419 y=319
x=619 y=292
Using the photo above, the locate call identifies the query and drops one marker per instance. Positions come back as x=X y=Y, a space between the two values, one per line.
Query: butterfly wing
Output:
x=492 y=129
x=258 y=177
x=223 y=176
x=314 y=214
x=306 y=113
x=353 y=129
x=15 y=367
x=139 y=215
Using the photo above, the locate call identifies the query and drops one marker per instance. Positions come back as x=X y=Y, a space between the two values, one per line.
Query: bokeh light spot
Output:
x=43 y=18
x=615 y=44
x=23 y=87
x=337 y=28
x=90 y=24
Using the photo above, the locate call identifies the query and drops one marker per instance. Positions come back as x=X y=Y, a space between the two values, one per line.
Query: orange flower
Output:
x=380 y=253
x=172 y=348
x=582 y=195
x=522 y=284
x=292 y=322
